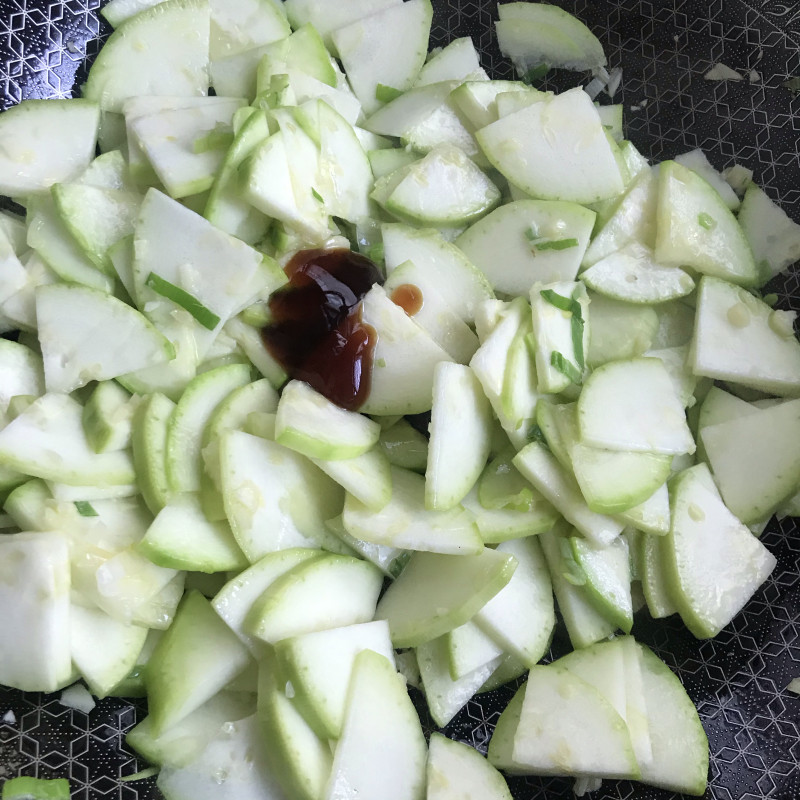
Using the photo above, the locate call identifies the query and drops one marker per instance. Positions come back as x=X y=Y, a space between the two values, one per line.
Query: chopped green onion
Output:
x=555 y=244
x=532 y=234
x=215 y=140
x=36 y=789
x=578 y=323
x=207 y=318
x=385 y=94
x=706 y=221
x=559 y=301
x=85 y=509
x=770 y=299
x=536 y=73
x=317 y=195
x=565 y=367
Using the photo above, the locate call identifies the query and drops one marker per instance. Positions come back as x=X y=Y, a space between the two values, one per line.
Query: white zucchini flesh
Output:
x=103 y=667
x=162 y=51
x=501 y=745
x=297 y=757
x=446 y=696
x=633 y=276
x=469 y=648
x=575 y=46
x=741 y=339
x=456 y=769
x=274 y=498
x=477 y=99
x=754 y=459
x=585 y=625
x=195 y=658
x=344 y=176
x=633 y=405
x=696 y=229
x=560 y=488
x=679 y=743
x=309 y=423
x=405 y=522
x=436 y=593
x=444 y=189
x=327 y=18
x=236 y=598
x=410 y=110
x=97 y=217
x=319 y=667
x=201 y=398
x=441 y=127
x=521 y=616
x=651 y=515
x=21 y=372
x=56 y=246
x=47 y=441
x=633 y=221
x=367 y=477
x=182 y=538
x=70 y=318
x=437 y=316
x=697 y=161
x=456 y=61
x=43 y=142
x=404 y=359
x=186 y=250
x=555 y=149
x=328 y=592
x=652 y=560
x=460 y=436
x=226 y=208
x=234 y=753
x=567 y=727
x=388 y=48
x=714 y=563
x=172 y=141
x=378 y=710
x=773 y=236
x=439 y=264
x=608 y=579
x=183 y=742
x=620 y=330
x=500 y=245
x=34 y=625
x=240 y=25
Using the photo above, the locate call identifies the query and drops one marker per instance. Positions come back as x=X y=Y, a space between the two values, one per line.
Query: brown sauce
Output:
x=408 y=297
x=316 y=332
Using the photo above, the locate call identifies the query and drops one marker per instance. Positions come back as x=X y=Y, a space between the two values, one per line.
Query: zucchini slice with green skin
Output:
x=175 y=61
x=69 y=318
x=714 y=563
x=309 y=423
x=46 y=142
x=695 y=228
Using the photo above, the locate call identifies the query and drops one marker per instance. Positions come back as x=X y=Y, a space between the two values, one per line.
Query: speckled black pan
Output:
x=739 y=679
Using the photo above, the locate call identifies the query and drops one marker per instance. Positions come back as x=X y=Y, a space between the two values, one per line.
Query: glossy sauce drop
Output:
x=316 y=332
x=408 y=297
